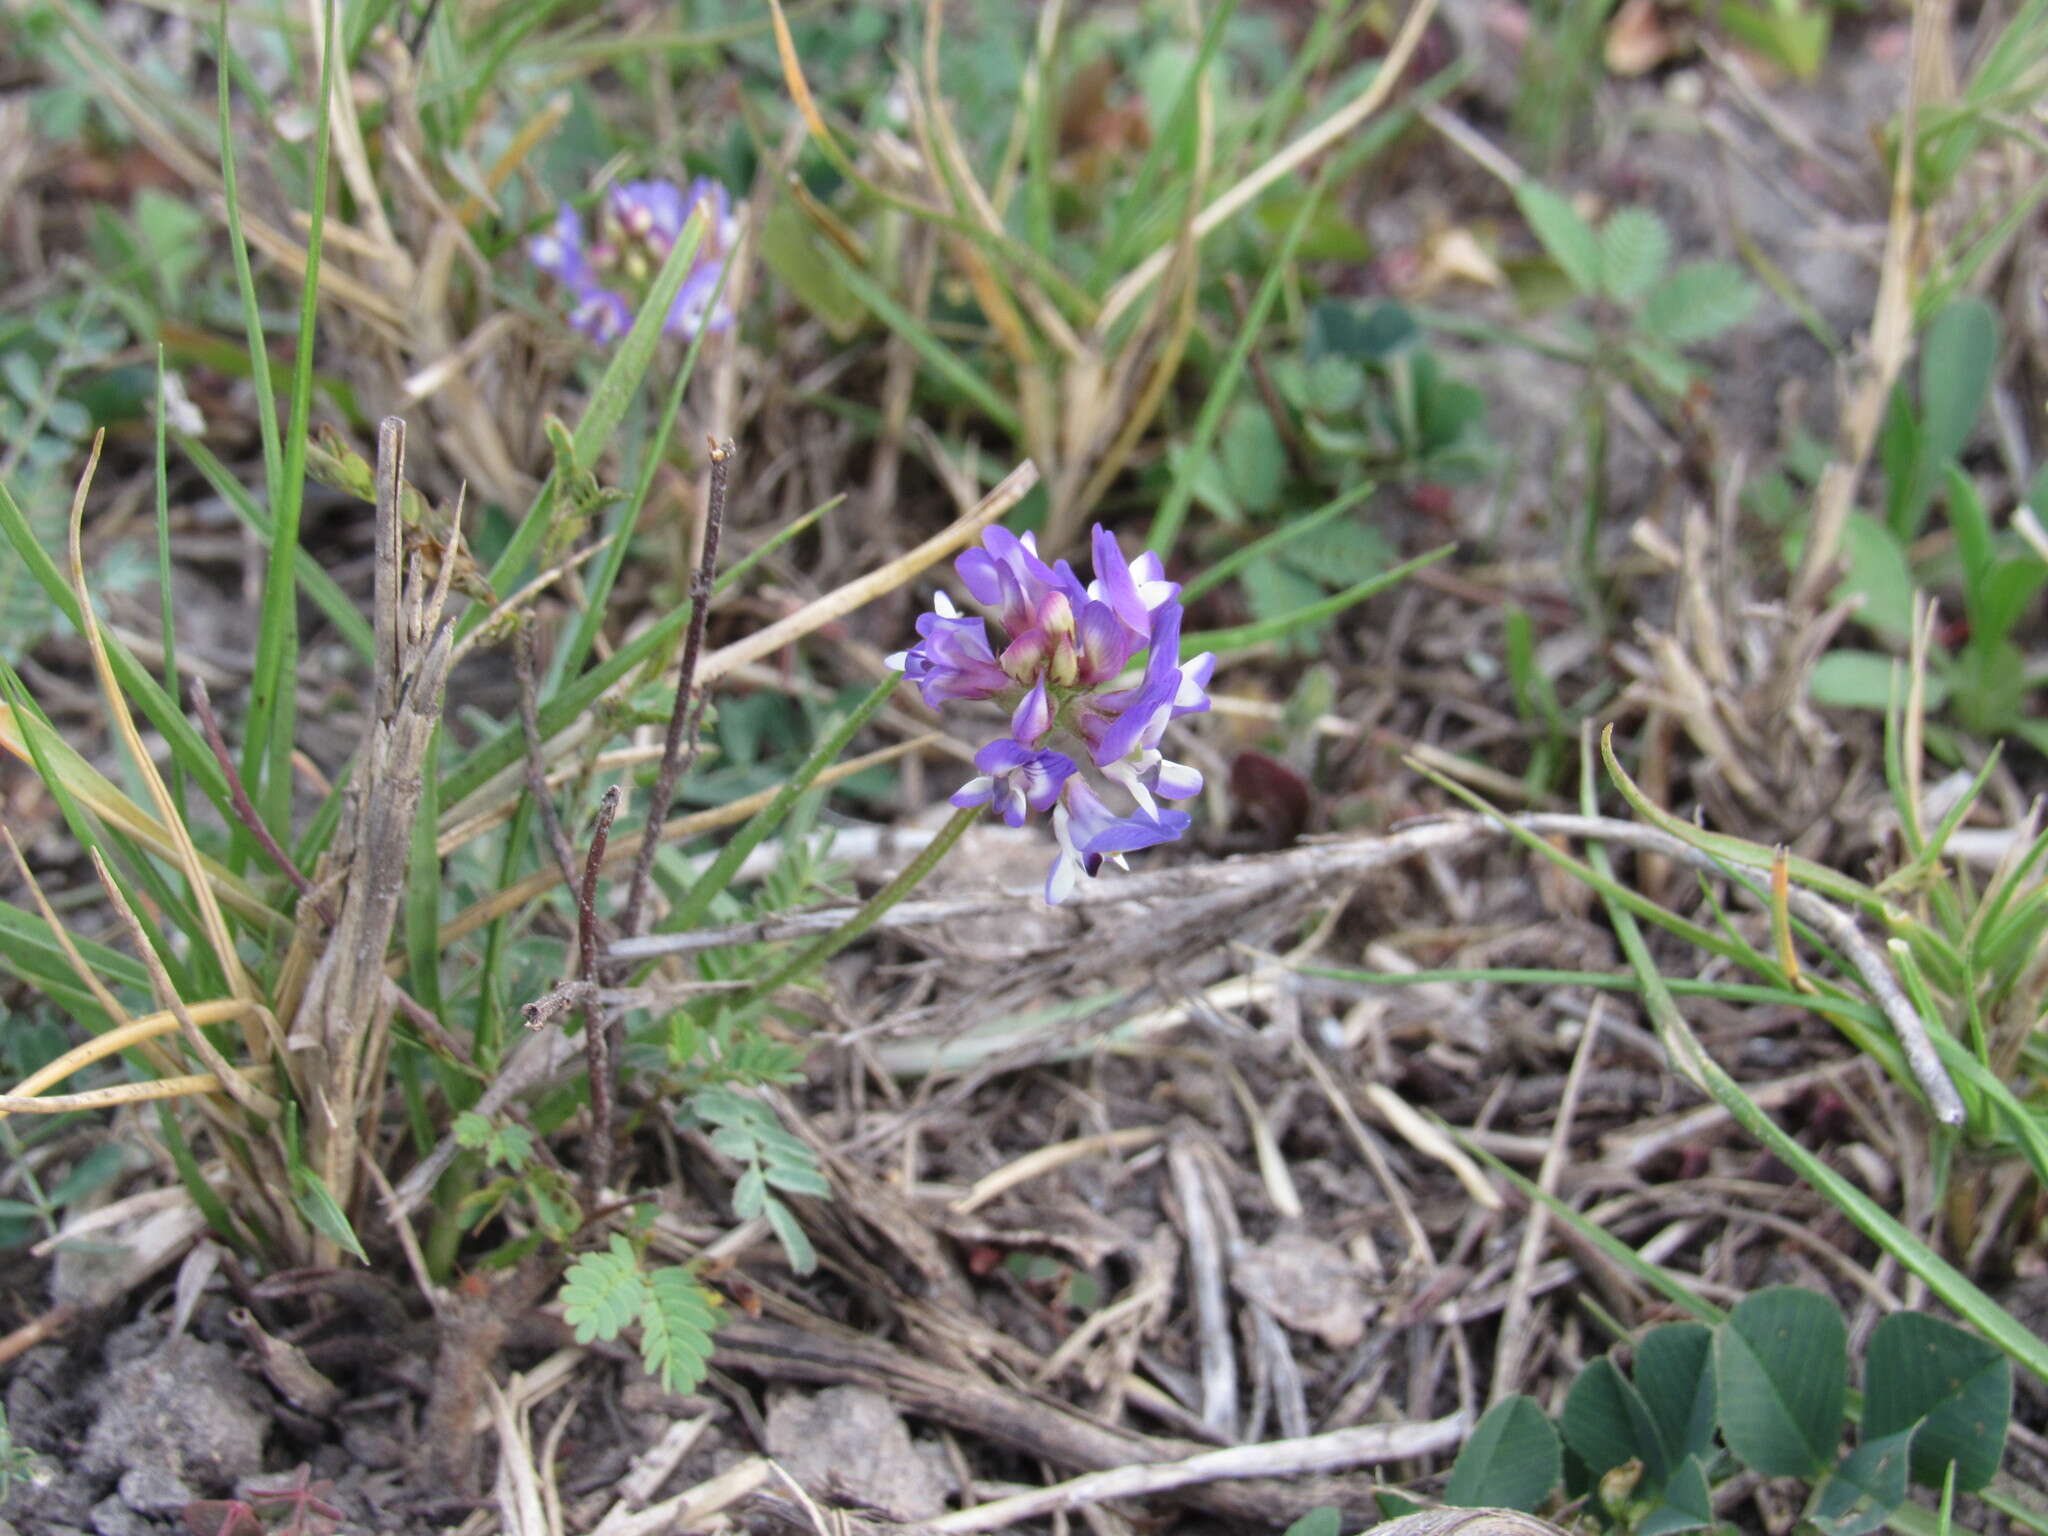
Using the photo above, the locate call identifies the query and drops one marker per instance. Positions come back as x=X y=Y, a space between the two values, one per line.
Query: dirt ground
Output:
x=1209 y=1201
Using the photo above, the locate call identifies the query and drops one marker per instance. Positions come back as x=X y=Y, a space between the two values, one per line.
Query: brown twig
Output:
x=597 y=1044
x=556 y=1001
x=36 y=1330
x=245 y=811
x=679 y=746
x=536 y=766
x=430 y=1028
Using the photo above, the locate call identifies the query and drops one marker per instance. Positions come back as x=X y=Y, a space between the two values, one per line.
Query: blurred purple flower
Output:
x=1058 y=649
x=605 y=274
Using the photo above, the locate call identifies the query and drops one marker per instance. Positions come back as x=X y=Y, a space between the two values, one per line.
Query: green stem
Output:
x=825 y=946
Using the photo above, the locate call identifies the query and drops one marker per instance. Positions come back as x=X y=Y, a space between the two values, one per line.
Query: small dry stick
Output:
x=597 y=1045
x=1360 y=1444
x=523 y=668
x=245 y=812
x=679 y=747
x=556 y=1001
x=1205 y=1280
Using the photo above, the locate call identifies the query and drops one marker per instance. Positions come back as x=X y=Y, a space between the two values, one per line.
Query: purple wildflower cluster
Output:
x=1060 y=653
x=638 y=223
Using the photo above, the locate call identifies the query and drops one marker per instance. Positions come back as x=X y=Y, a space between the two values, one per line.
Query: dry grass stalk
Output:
x=339 y=1028
x=1179 y=913
x=1192 y=1197
x=1891 y=330
x=1512 y=1353
x=1733 y=672
x=1363 y=1445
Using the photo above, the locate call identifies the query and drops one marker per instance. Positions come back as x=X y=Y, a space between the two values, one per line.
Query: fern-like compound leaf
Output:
x=604 y=1292
x=675 y=1329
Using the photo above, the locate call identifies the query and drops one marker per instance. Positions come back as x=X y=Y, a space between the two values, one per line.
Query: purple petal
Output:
x=1141 y=721
x=692 y=312
x=1019 y=780
x=558 y=251
x=1113 y=575
x=1174 y=781
x=601 y=314
x=650 y=211
x=1033 y=717
x=1002 y=756
x=1127 y=834
x=1192 y=698
x=1105 y=643
x=952 y=659
x=978 y=573
x=974 y=792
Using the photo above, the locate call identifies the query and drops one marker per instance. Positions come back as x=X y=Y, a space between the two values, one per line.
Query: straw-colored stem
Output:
x=151 y=1026
x=190 y=1086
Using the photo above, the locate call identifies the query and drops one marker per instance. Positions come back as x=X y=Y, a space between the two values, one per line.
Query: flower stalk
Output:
x=826 y=945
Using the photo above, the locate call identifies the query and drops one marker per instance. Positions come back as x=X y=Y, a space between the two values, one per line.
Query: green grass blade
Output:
x=569 y=658
x=1279 y=538
x=123 y=862
x=30 y=951
x=615 y=389
x=1954 y=1288
x=423 y=888
x=775 y=541
x=1120 y=249
x=691 y=909
x=942 y=359
x=209 y=1204
x=245 y=279
x=166 y=607
x=505 y=748
x=1653 y=1275
x=320 y=588
x=1692 y=933
x=826 y=945
x=1734 y=851
x=1172 y=513
x=273 y=700
x=1221 y=640
x=188 y=747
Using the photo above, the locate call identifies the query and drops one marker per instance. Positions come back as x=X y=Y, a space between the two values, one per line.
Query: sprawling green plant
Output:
x=1975 y=672
x=1640 y=1446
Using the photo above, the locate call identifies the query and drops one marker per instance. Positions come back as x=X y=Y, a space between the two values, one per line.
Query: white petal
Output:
x=897 y=662
x=1126 y=774
x=943 y=606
